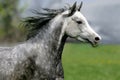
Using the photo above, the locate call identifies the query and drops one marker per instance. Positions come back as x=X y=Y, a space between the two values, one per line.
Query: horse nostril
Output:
x=97 y=38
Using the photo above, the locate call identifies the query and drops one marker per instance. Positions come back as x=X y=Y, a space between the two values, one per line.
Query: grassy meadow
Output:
x=83 y=62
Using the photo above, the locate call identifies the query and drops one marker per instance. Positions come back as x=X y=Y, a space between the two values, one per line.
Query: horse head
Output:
x=76 y=26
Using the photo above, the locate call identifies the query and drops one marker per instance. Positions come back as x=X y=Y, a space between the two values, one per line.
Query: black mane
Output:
x=34 y=24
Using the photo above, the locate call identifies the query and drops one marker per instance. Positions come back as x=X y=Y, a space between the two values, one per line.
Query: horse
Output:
x=39 y=57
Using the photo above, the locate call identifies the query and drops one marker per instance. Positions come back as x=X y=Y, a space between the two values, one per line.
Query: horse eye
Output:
x=79 y=22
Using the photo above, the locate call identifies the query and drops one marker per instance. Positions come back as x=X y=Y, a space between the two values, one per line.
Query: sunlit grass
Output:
x=83 y=62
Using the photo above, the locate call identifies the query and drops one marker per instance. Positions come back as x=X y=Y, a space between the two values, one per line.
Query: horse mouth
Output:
x=93 y=43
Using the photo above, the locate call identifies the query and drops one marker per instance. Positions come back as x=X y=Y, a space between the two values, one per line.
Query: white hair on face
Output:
x=81 y=31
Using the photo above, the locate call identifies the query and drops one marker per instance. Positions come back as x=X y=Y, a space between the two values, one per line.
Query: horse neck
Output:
x=52 y=38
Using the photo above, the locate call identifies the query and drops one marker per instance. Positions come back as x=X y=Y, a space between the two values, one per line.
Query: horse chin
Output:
x=93 y=43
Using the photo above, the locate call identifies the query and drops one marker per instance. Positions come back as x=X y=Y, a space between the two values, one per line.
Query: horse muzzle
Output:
x=95 y=41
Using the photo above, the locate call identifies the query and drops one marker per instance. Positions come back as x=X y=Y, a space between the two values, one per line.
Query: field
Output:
x=83 y=62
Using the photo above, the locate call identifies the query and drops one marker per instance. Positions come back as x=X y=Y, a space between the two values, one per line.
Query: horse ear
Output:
x=80 y=6
x=73 y=9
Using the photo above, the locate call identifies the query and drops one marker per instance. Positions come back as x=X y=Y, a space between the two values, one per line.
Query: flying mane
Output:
x=34 y=24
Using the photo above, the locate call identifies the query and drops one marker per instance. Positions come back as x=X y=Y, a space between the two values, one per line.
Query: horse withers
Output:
x=39 y=58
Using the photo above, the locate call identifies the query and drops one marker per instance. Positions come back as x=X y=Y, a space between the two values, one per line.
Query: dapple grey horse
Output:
x=39 y=58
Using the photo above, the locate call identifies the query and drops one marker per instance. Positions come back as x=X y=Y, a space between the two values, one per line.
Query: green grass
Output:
x=83 y=62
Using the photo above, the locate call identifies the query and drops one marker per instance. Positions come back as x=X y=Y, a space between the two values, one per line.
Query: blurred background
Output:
x=81 y=62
